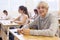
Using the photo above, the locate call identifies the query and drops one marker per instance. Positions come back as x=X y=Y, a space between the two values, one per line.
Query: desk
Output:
x=27 y=37
x=6 y=24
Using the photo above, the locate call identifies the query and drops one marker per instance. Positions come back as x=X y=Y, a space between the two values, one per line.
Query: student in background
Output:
x=5 y=15
x=36 y=13
x=47 y=24
x=32 y=18
x=22 y=19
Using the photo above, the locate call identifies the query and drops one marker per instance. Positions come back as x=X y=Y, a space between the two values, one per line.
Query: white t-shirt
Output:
x=21 y=17
x=5 y=17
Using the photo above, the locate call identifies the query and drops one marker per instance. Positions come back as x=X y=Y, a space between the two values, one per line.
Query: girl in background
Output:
x=22 y=19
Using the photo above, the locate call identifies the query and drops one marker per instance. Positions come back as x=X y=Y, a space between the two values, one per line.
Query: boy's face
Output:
x=42 y=10
x=5 y=13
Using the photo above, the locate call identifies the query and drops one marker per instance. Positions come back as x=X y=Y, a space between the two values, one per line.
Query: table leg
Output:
x=4 y=36
x=8 y=34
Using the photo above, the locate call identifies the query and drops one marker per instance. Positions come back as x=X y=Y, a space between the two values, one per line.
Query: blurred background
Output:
x=12 y=6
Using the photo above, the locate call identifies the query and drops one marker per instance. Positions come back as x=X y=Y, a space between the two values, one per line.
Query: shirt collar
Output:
x=45 y=16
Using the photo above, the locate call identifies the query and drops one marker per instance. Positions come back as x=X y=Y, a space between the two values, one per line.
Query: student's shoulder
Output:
x=52 y=15
x=26 y=16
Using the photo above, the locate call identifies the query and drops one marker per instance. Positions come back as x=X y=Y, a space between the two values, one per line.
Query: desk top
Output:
x=27 y=37
x=7 y=22
x=40 y=38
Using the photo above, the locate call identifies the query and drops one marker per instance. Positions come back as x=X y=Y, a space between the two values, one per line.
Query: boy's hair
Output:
x=4 y=11
x=44 y=4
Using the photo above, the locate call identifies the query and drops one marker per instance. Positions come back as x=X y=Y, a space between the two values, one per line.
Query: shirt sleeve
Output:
x=48 y=32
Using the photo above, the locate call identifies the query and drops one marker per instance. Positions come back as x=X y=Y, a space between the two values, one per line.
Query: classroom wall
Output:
x=12 y=5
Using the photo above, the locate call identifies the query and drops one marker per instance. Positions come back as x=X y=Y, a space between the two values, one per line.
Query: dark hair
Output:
x=4 y=11
x=35 y=10
x=24 y=10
